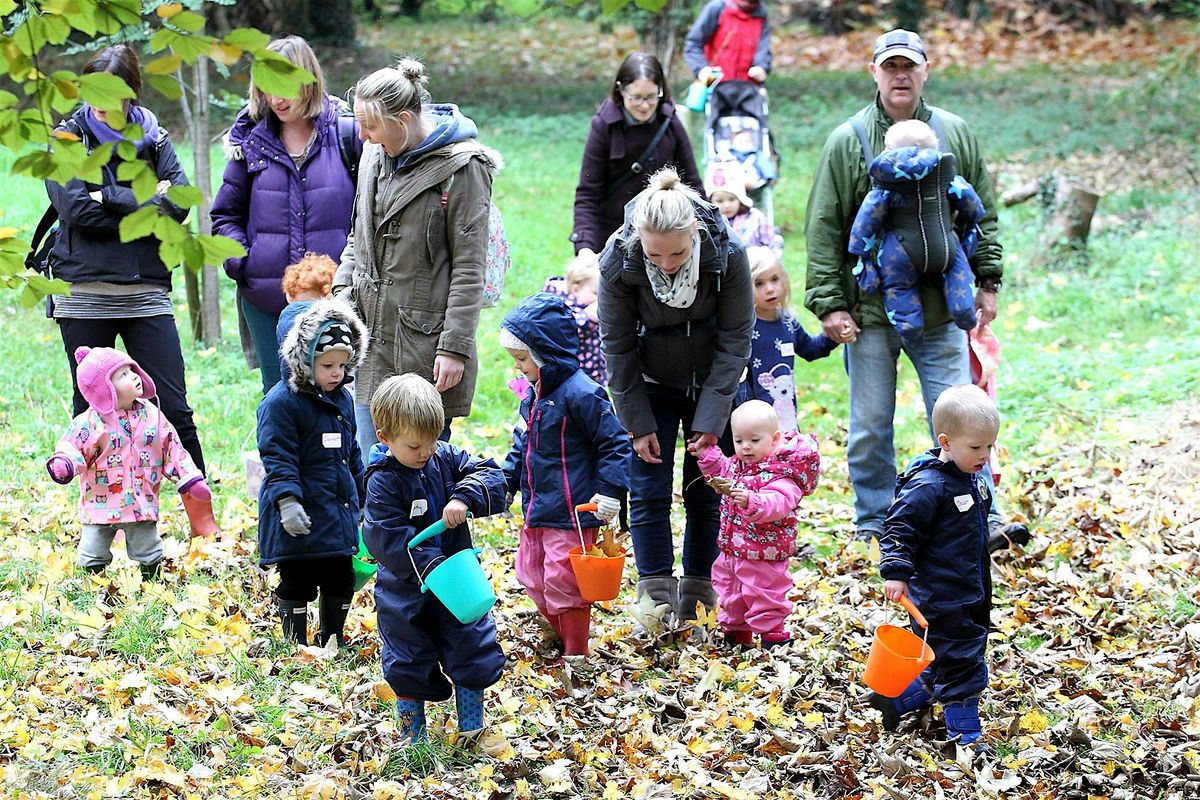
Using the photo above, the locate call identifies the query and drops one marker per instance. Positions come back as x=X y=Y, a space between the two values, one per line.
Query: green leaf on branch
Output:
x=653 y=6
x=139 y=224
x=247 y=39
x=7 y=7
x=188 y=46
x=185 y=196
x=168 y=230
x=166 y=85
x=141 y=178
x=188 y=21
x=104 y=90
x=612 y=6
x=219 y=248
x=274 y=74
x=163 y=65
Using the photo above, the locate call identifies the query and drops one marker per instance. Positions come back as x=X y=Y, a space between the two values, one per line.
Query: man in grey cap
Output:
x=900 y=67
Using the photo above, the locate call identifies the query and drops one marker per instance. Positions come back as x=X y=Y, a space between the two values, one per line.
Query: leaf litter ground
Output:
x=109 y=689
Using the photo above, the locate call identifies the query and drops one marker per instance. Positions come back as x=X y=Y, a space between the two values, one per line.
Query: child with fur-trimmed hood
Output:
x=309 y=502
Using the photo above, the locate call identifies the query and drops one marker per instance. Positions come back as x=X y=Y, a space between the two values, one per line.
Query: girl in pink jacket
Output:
x=121 y=448
x=763 y=484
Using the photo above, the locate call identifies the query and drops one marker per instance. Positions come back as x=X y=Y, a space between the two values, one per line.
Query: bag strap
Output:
x=346 y=139
x=635 y=168
x=49 y=217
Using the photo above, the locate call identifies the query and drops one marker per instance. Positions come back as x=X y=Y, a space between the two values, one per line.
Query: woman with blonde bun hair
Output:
x=414 y=263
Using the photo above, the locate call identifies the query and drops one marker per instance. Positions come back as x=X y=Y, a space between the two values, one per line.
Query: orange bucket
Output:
x=898 y=655
x=599 y=577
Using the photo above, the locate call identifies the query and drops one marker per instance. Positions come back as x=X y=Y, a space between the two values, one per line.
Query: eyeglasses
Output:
x=642 y=99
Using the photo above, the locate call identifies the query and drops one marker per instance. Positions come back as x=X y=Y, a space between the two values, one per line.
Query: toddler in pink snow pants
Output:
x=769 y=472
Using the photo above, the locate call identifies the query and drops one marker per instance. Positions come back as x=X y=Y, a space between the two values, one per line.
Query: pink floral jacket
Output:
x=121 y=460
x=766 y=529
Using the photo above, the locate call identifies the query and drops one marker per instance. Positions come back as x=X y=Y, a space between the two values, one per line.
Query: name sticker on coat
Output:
x=964 y=501
x=787 y=349
x=419 y=507
x=331 y=441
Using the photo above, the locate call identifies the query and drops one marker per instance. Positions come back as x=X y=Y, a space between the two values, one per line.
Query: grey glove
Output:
x=293 y=517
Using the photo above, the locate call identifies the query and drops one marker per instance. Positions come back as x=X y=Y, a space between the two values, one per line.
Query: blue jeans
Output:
x=262 y=332
x=650 y=496
x=941 y=361
x=365 y=429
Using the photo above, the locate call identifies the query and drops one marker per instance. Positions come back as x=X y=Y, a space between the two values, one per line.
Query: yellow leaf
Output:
x=612 y=792
x=743 y=724
x=730 y=791
x=1034 y=722
x=226 y=54
x=384 y=692
x=169 y=10
x=8 y=233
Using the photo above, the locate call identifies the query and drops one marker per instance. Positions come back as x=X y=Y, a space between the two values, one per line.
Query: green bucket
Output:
x=458 y=582
x=364 y=565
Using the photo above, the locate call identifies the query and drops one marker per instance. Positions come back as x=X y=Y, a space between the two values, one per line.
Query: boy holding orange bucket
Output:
x=934 y=552
x=769 y=473
x=568 y=448
x=426 y=649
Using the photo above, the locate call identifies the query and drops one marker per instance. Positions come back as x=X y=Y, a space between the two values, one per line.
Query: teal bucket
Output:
x=458 y=582
x=364 y=565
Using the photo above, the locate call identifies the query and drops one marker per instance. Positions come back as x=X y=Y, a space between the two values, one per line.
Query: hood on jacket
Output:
x=450 y=126
x=926 y=461
x=243 y=125
x=297 y=348
x=714 y=238
x=544 y=323
x=905 y=164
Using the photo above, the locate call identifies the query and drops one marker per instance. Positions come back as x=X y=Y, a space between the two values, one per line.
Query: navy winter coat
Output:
x=935 y=538
x=89 y=246
x=309 y=448
x=570 y=427
x=278 y=212
x=423 y=643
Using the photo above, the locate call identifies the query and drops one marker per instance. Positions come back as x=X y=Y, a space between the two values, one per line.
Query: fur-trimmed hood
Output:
x=296 y=347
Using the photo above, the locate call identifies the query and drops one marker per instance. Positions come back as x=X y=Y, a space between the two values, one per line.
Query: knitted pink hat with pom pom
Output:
x=94 y=376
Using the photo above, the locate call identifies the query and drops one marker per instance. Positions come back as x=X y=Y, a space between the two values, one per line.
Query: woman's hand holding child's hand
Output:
x=61 y=469
x=454 y=514
x=894 y=590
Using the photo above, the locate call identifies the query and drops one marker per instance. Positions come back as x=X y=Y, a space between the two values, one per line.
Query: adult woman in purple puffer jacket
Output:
x=286 y=191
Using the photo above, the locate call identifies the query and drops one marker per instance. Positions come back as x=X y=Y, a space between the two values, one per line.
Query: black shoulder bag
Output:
x=635 y=169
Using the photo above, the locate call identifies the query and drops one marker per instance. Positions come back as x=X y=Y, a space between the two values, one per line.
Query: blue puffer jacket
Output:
x=423 y=644
x=935 y=537
x=572 y=445
x=276 y=211
x=309 y=449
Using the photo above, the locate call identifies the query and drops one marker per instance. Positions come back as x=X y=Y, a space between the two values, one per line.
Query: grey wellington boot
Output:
x=656 y=599
x=693 y=591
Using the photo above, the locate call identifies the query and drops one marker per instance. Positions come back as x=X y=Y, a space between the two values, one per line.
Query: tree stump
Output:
x=1069 y=215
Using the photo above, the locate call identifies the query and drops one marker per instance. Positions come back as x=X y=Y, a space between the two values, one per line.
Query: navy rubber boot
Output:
x=962 y=720
x=469 y=703
x=412 y=718
x=914 y=698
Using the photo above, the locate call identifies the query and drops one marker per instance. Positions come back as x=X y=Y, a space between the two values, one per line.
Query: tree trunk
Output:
x=1069 y=215
x=204 y=297
x=332 y=22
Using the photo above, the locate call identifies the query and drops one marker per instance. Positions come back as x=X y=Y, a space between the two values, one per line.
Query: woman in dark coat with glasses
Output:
x=637 y=109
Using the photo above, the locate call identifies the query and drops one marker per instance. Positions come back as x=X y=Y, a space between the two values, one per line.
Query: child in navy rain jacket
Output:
x=569 y=449
x=426 y=650
x=934 y=549
x=313 y=486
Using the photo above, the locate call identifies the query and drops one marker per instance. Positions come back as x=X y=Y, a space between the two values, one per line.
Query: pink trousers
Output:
x=753 y=594
x=544 y=567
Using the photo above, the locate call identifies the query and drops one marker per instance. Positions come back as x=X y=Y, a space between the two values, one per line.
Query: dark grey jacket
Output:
x=701 y=349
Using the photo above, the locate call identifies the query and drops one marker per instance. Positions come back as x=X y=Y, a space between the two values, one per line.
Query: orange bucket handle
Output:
x=580 y=509
x=912 y=609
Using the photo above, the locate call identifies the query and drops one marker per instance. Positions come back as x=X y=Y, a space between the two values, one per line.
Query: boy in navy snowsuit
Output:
x=934 y=549
x=569 y=449
x=312 y=487
x=427 y=652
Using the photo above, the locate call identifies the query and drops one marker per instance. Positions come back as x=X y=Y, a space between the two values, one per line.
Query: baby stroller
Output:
x=737 y=128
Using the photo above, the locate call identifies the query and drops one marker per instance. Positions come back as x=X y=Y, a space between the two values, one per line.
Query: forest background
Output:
x=108 y=689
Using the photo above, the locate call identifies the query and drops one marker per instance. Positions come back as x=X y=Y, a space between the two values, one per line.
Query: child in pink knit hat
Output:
x=121 y=448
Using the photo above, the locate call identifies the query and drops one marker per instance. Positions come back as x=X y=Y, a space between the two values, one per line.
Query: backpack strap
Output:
x=939 y=127
x=861 y=130
x=346 y=138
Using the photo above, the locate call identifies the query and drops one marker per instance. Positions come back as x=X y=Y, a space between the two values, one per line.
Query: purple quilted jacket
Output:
x=279 y=213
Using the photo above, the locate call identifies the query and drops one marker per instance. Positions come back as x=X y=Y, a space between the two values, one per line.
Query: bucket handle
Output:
x=424 y=536
x=912 y=609
x=580 y=509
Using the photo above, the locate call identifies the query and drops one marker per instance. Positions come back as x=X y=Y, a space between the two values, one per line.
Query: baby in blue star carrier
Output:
x=920 y=218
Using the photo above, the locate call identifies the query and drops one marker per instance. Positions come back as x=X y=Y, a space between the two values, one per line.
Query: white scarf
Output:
x=677 y=290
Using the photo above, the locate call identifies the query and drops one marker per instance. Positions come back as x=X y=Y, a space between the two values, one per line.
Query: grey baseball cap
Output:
x=899 y=42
